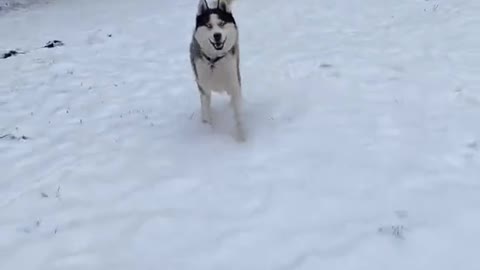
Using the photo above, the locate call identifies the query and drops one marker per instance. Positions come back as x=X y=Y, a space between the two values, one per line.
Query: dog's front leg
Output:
x=205 y=102
x=236 y=102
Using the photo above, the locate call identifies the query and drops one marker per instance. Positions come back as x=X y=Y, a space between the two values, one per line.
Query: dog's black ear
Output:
x=225 y=5
x=222 y=5
x=202 y=7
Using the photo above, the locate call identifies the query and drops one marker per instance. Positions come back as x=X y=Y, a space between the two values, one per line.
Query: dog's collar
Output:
x=213 y=61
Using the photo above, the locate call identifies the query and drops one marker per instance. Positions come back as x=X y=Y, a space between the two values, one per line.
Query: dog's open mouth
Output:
x=218 y=45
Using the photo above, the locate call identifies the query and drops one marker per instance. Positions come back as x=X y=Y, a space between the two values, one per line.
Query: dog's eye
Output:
x=209 y=25
x=221 y=24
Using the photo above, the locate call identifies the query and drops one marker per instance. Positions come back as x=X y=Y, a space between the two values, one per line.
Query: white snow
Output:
x=363 y=149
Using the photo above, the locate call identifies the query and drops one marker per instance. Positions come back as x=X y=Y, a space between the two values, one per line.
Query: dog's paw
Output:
x=241 y=139
x=208 y=124
x=241 y=136
x=207 y=119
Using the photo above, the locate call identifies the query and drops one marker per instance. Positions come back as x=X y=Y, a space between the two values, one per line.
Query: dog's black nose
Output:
x=217 y=37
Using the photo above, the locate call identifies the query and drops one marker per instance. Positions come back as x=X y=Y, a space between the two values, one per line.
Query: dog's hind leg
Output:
x=205 y=102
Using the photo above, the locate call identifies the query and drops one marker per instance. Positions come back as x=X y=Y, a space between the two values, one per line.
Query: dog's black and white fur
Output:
x=215 y=59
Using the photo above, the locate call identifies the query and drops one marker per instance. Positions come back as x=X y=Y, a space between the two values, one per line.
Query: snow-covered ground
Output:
x=363 y=153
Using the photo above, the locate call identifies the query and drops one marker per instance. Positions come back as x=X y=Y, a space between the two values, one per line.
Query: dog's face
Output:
x=216 y=30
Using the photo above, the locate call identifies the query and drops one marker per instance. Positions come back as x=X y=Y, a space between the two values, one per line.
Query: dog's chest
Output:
x=218 y=77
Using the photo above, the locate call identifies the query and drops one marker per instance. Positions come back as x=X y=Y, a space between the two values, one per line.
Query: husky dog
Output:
x=214 y=55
